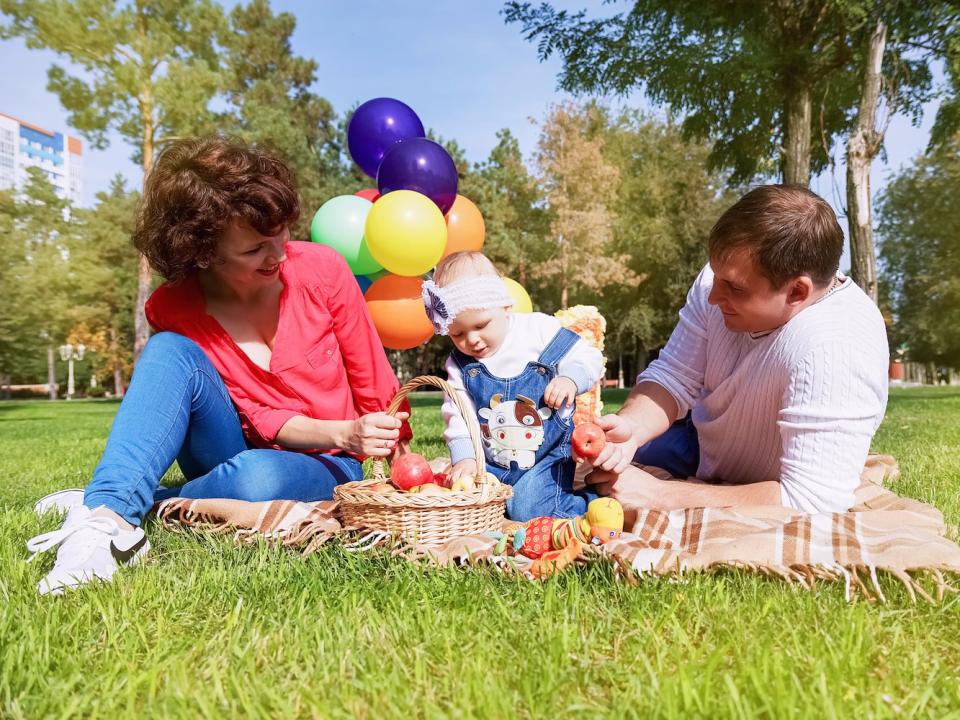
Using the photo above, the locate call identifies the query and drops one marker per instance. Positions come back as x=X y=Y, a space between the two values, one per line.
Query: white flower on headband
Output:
x=436 y=308
x=443 y=304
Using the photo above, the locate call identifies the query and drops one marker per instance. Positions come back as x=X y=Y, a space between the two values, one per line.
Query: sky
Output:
x=465 y=72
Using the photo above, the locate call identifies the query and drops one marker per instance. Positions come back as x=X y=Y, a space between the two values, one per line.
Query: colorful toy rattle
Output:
x=554 y=543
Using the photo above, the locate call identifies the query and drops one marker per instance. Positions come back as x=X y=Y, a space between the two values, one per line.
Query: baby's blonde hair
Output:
x=466 y=263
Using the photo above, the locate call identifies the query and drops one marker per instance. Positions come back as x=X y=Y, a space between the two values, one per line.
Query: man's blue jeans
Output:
x=677 y=451
x=177 y=408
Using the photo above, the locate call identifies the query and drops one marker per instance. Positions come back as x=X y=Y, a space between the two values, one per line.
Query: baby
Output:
x=520 y=373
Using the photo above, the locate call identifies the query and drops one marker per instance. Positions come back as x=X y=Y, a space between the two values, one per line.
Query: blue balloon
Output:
x=376 y=126
x=423 y=166
x=364 y=282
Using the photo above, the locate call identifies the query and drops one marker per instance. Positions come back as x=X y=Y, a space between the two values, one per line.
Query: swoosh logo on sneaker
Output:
x=123 y=556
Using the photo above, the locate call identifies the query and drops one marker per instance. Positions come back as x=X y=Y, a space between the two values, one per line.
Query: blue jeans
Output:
x=677 y=451
x=177 y=408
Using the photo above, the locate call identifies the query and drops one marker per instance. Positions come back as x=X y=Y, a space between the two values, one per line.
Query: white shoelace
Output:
x=41 y=543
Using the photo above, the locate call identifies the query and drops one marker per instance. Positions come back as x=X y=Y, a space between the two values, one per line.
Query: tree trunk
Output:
x=795 y=164
x=51 y=373
x=141 y=329
x=5 y=381
x=118 y=388
x=862 y=148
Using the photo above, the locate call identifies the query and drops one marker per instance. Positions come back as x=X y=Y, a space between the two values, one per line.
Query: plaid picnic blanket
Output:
x=885 y=533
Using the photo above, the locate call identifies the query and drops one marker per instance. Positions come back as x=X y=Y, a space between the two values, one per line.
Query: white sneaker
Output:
x=61 y=501
x=90 y=548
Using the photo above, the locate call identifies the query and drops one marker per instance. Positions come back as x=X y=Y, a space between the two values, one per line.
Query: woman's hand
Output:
x=561 y=390
x=375 y=434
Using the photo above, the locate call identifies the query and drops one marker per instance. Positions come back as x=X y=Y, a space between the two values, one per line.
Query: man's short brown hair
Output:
x=788 y=230
x=196 y=189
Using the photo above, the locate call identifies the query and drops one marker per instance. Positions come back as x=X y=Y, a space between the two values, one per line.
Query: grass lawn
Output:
x=205 y=629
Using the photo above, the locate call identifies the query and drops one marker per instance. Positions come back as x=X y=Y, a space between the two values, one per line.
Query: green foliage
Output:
x=209 y=629
x=920 y=253
x=34 y=289
x=578 y=183
x=510 y=200
x=733 y=70
x=103 y=277
x=150 y=69
x=270 y=103
x=666 y=203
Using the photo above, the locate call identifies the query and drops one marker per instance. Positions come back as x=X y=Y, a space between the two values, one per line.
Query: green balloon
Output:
x=339 y=224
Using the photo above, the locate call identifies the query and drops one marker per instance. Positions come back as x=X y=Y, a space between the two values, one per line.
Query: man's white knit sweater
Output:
x=799 y=404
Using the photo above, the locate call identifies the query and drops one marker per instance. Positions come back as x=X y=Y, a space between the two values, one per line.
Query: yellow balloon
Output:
x=406 y=232
x=521 y=301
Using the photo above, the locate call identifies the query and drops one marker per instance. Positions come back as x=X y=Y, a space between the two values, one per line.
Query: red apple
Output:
x=410 y=470
x=587 y=441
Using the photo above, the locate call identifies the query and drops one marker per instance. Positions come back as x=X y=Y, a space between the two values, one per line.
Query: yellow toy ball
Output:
x=521 y=300
x=603 y=521
x=605 y=512
x=406 y=232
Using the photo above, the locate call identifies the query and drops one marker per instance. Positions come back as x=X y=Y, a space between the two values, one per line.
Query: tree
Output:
x=895 y=42
x=33 y=294
x=745 y=75
x=150 y=69
x=578 y=182
x=103 y=276
x=270 y=103
x=511 y=202
x=919 y=228
x=760 y=79
x=664 y=207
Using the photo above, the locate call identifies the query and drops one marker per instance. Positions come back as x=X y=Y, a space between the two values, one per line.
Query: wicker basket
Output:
x=427 y=519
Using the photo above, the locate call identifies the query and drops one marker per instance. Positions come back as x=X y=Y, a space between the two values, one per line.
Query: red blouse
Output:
x=327 y=361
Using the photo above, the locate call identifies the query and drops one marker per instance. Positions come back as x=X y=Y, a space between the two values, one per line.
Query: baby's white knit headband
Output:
x=443 y=304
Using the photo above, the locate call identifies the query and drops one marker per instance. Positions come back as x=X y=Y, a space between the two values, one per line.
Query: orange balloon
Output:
x=465 y=228
x=396 y=306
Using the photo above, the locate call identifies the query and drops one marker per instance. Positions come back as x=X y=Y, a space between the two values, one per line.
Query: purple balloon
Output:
x=375 y=127
x=423 y=166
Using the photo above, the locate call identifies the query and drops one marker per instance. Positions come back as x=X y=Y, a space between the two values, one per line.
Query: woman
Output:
x=266 y=380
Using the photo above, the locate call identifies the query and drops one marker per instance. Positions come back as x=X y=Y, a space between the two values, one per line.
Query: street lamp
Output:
x=68 y=354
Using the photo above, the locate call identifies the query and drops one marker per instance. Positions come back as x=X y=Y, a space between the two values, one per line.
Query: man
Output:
x=772 y=384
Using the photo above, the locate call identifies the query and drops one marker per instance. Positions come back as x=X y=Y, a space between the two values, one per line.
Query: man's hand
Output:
x=621 y=446
x=560 y=390
x=633 y=488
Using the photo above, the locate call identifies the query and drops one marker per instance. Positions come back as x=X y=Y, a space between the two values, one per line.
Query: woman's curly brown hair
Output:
x=199 y=186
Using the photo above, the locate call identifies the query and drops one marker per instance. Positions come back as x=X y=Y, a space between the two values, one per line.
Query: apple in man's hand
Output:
x=588 y=440
x=410 y=470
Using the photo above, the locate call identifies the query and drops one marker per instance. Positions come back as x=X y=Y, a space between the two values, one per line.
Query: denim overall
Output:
x=541 y=473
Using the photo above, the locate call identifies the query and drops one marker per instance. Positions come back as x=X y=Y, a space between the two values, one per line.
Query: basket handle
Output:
x=473 y=427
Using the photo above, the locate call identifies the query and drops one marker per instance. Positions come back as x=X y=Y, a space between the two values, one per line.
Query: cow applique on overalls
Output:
x=527 y=445
x=514 y=430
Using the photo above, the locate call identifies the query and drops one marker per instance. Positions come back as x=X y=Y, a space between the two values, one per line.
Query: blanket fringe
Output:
x=318 y=527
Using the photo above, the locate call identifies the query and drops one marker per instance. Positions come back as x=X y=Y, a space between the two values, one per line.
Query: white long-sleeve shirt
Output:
x=528 y=336
x=799 y=405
